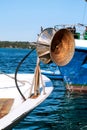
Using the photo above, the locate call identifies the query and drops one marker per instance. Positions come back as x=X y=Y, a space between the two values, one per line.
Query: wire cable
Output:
x=17 y=72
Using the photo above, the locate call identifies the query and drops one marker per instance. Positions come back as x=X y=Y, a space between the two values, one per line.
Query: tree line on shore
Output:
x=17 y=44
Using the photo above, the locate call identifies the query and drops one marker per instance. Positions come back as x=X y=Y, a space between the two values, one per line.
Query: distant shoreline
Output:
x=17 y=44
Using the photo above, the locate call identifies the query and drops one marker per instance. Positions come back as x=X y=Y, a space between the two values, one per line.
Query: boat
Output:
x=75 y=72
x=52 y=72
x=66 y=46
x=20 y=94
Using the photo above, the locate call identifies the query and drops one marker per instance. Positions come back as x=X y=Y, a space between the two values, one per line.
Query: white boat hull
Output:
x=21 y=107
x=52 y=74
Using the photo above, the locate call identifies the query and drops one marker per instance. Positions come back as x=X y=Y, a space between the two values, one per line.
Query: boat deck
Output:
x=12 y=106
x=5 y=106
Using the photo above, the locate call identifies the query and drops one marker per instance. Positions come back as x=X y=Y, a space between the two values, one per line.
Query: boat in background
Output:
x=52 y=72
x=75 y=72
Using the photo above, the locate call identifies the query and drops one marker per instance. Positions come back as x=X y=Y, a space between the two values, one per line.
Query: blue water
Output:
x=62 y=110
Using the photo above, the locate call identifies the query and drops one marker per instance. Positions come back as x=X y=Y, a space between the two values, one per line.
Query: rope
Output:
x=36 y=81
x=22 y=82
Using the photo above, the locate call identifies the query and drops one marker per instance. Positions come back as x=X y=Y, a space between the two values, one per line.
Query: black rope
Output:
x=17 y=72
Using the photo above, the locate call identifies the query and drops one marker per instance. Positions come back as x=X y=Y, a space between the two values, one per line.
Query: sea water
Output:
x=62 y=110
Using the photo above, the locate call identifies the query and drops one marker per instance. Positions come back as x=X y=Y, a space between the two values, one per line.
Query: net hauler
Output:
x=56 y=46
x=61 y=47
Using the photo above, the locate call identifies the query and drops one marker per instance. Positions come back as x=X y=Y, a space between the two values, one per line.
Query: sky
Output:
x=21 y=20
